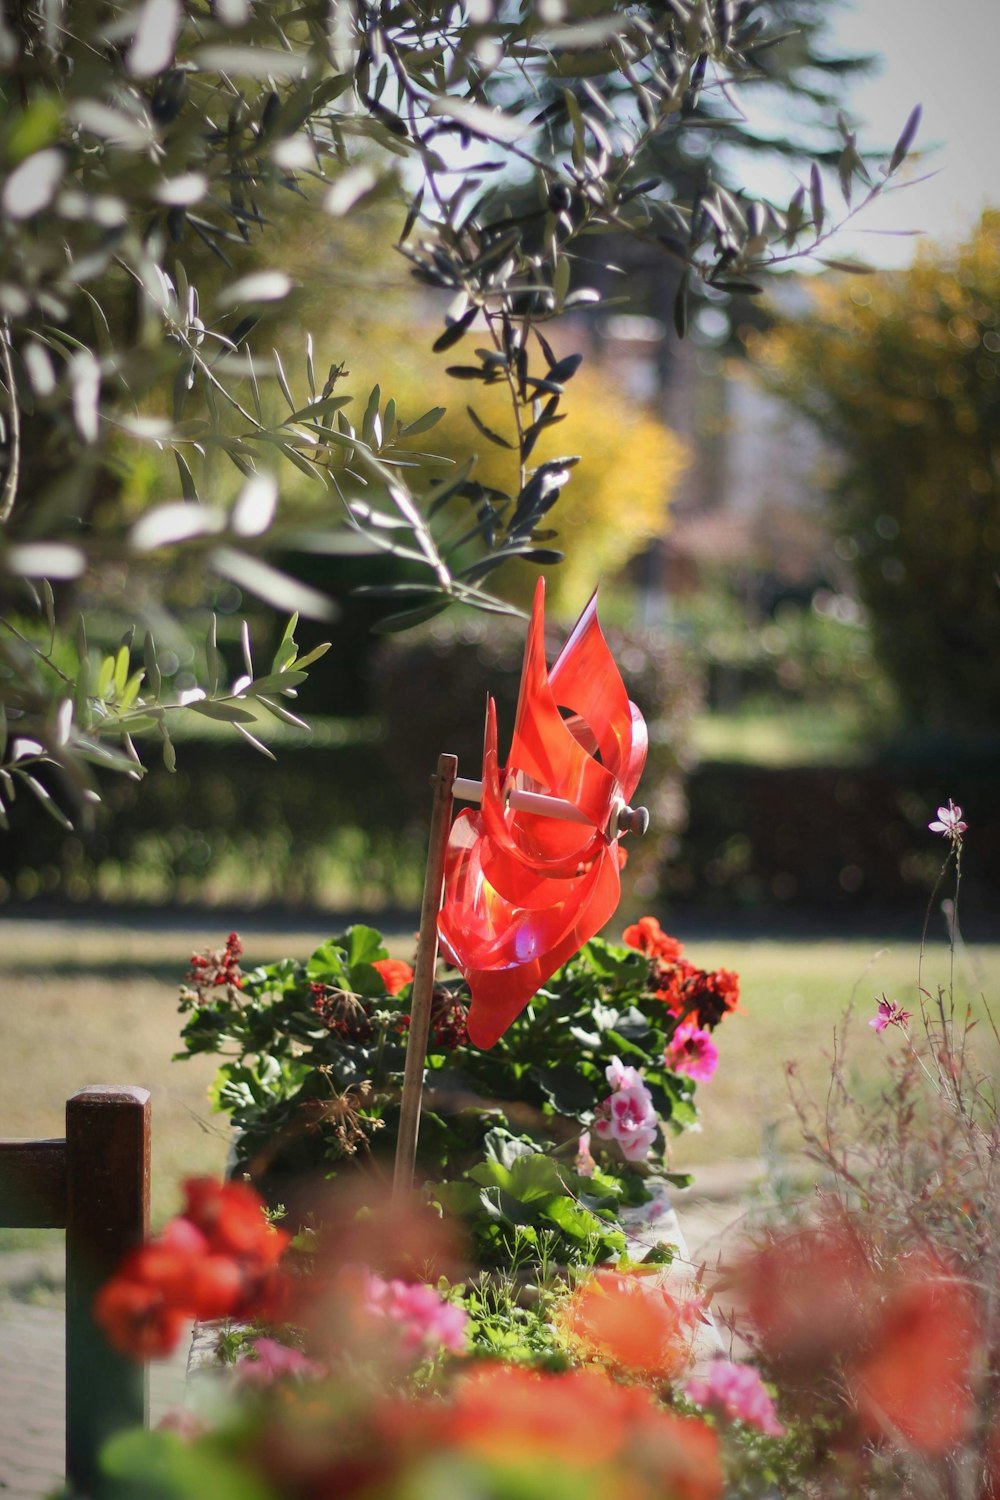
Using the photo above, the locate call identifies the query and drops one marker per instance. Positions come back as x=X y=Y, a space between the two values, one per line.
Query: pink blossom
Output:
x=621 y=1077
x=736 y=1391
x=692 y=1051
x=949 y=822
x=422 y=1320
x=273 y=1361
x=627 y=1116
x=890 y=1013
x=585 y=1164
x=184 y=1422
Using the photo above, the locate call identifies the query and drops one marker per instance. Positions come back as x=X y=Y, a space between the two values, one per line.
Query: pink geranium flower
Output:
x=627 y=1115
x=584 y=1163
x=692 y=1051
x=271 y=1361
x=890 y=1013
x=422 y=1321
x=736 y=1392
x=621 y=1077
x=949 y=822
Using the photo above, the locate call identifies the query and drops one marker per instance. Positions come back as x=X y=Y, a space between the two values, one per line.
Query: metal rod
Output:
x=422 y=992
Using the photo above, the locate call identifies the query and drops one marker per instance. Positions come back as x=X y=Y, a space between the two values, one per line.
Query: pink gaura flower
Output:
x=422 y=1321
x=949 y=822
x=627 y=1115
x=692 y=1051
x=585 y=1164
x=890 y=1013
x=272 y=1361
x=736 y=1392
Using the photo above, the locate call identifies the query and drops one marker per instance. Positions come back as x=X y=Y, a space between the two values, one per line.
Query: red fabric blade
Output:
x=523 y=892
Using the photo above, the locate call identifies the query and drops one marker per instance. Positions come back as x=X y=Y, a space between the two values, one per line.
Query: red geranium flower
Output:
x=648 y=936
x=396 y=974
x=219 y=1259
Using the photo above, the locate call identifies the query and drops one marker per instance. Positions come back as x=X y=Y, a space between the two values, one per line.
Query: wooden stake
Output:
x=422 y=992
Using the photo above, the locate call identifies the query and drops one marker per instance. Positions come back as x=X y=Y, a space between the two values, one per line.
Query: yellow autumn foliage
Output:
x=618 y=497
x=901 y=373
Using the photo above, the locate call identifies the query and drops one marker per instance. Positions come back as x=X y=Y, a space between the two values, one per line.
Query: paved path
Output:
x=32 y=1410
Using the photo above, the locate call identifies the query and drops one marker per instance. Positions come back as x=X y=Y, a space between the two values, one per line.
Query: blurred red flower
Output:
x=648 y=936
x=917 y=1381
x=396 y=974
x=630 y=1322
x=218 y=1259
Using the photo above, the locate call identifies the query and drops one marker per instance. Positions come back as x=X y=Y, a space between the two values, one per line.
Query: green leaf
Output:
x=578 y=1222
x=364 y=944
x=301 y=662
x=816 y=198
x=152 y=665
x=164 y=1466
x=105 y=676
x=169 y=753
x=902 y=146
x=131 y=690
x=275 y=682
x=410 y=617
x=318 y=408
x=328 y=961
x=852 y=267
x=226 y=713
x=487 y=432
x=423 y=424
x=455 y=330
x=46 y=800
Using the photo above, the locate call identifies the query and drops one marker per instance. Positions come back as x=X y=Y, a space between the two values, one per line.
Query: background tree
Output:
x=135 y=139
x=901 y=373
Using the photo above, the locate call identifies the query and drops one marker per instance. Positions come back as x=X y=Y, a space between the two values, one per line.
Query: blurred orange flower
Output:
x=396 y=973
x=917 y=1381
x=630 y=1322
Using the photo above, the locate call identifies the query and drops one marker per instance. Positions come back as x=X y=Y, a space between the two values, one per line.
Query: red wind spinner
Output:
x=523 y=890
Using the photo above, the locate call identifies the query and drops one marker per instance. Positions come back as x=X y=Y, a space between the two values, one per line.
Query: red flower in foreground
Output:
x=137 y=1316
x=808 y=1296
x=580 y=1419
x=648 y=936
x=218 y=1259
x=396 y=974
x=631 y=1323
x=503 y=1429
x=916 y=1382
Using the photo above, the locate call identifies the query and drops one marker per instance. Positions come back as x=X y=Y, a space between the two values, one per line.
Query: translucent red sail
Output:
x=524 y=891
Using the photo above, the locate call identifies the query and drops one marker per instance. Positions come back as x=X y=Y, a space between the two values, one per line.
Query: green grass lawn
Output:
x=97 y=1004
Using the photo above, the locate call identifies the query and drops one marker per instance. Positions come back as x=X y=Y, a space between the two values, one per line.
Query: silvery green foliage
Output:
x=133 y=136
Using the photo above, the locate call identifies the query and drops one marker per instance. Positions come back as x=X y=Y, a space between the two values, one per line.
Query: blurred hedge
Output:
x=828 y=838
x=340 y=823
x=232 y=827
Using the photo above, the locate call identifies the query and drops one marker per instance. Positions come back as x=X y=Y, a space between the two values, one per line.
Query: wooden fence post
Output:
x=107 y=1214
